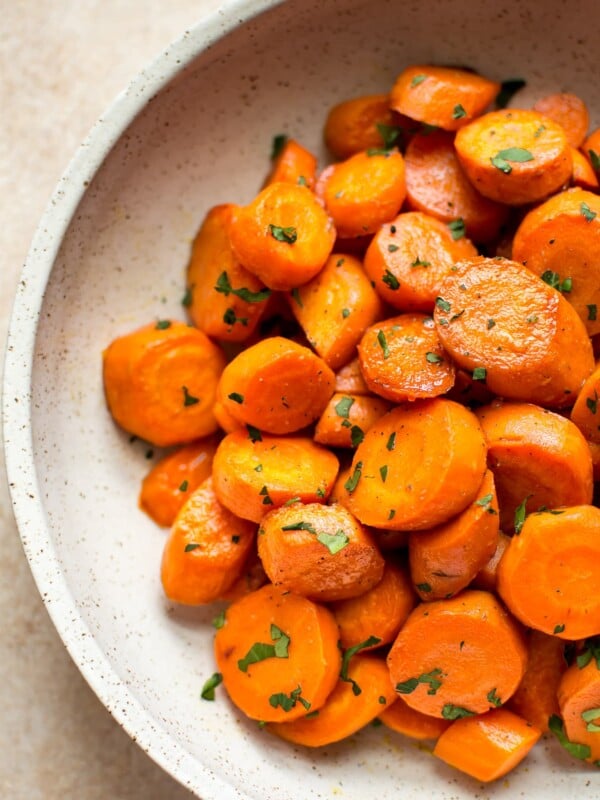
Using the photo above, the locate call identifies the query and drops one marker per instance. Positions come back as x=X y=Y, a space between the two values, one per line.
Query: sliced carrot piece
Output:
x=278 y=654
x=253 y=577
x=347 y=418
x=569 y=111
x=591 y=149
x=403 y=719
x=583 y=175
x=293 y=164
x=390 y=540
x=579 y=702
x=487 y=577
x=349 y=379
x=224 y=418
x=362 y=123
x=595 y=451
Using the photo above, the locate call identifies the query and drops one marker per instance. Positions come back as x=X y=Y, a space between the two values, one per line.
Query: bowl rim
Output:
x=26 y=497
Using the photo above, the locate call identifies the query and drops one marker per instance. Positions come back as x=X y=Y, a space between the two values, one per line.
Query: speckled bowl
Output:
x=193 y=130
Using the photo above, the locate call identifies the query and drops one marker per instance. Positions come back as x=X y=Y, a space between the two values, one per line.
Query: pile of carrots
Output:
x=385 y=416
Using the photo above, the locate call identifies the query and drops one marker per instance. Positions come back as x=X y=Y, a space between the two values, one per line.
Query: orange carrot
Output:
x=568 y=111
x=293 y=164
x=591 y=149
x=226 y=422
x=583 y=175
x=403 y=719
x=363 y=123
x=487 y=577
x=579 y=702
x=347 y=418
x=253 y=577
x=349 y=379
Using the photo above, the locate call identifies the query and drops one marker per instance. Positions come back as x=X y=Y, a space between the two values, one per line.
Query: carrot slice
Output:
x=349 y=379
x=254 y=472
x=579 y=702
x=583 y=175
x=487 y=746
x=253 y=577
x=591 y=149
x=446 y=97
x=514 y=157
x=513 y=331
x=362 y=123
x=261 y=386
x=403 y=719
x=206 y=549
x=487 y=577
x=548 y=576
x=417 y=466
x=539 y=459
x=224 y=418
x=352 y=704
x=283 y=236
x=321 y=552
x=402 y=359
x=569 y=111
x=458 y=657
x=293 y=164
x=347 y=418
x=278 y=654
x=409 y=258
x=160 y=382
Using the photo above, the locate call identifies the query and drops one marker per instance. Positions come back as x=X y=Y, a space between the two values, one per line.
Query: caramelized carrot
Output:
x=347 y=418
x=253 y=577
x=349 y=379
x=403 y=719
x=487 y=577
x=569 y=111
x=591 y=149
x=226 y=422
x=293 y=164
x=579 y=702
x=583 y=175
x=362 y=123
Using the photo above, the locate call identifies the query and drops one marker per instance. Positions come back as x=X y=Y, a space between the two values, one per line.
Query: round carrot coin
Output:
x=569 y=111
x=359 y=124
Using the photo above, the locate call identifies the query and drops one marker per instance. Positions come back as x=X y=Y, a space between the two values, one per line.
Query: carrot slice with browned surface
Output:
x=401 y=358
x=437 y=185
x=160 y=382
x=321 y=552
x=583 y=175
x=335 y=308
x=226 y=422
x=513 y=331
x=206 y=549
x=278 y=654
x=349 y=379
x=446 y=97
x=579 y=702
x=560 y=241
x=253 y=577
x=293 y=163
x=569 y=111
x=347 y=418
x=458 y=657
x=403 y=719
x=362 y=123
x=548 y=576
x=254 y=472
x=354 y=702
x=417 y=466
x=173 y=479
x=277 y=385
x=283 y=236
x=515 y=157
x=539 y=459
x=487 y=577
x=446 y=559
x=591 y=149
x=487 y=746
x=409 y=258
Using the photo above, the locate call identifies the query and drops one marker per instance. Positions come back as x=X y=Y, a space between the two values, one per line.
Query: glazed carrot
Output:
x=349 y=379
x=405 y=720
x=173 y=479
x=254 y=472
x=487 y=746
x=206 y=549
x=160 y=382
x=539 y=459
x=548 y=576
x=321 y=552
x=352 y=704
x=347 y=418
x=339 y=493
x=390 y=540
x=458 y=657
x=225 y=300
x=437 y=185
x=293 y=164
x=514 y=157
x=364 y=191
x=560 y=240
x=253 y=577
x=379 y=612
x=595 y=452
x=417 y=466
x=335 y=308
x=591 y=149
x=278 y=654
x=277 y=385
x=446 y=97
x=226 y=422
x=283 y=236
x=583 y=175
x=487 y=577
x=569 y=111
x=446 y=559
x=535 y=700
x=363 y=123
x=513 y=331
x=409 y=258
x=579 y=702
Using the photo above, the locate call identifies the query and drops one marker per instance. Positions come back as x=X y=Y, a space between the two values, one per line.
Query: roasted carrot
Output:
x=409 y=258
x=539 y=459
x=487 y=577
x=548 y=576
x=278 y=654
x=321 y=552
x=364 y=191
x=417 y=466
x=458 y=657
x=173 y=479
x=349 y=379
x=277 y=385
x=595 y=453
x=446 y=97
x=293 y=163
x=390 y=540
x=335 y=308
x=253 y=577
x=402 y=359
x=347 y=418
x=513 y=331
x=515 y=157
x=283 y=236
x=591 y=149
x=584 y=175
x=403 y=719
x=206 y=549
x=160 y=382
x=254 y=472
x=579 y=702
x=362 y=123
x=226 y=422
x=569 y=111
x=487 y=746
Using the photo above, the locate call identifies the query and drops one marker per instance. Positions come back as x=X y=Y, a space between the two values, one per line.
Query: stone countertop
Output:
x=61 y=64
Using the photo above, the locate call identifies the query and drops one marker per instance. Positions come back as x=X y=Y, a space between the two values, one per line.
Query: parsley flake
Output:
x=163 y=324
x=391 y=442
x=188 y=399
x=417 y=80
x=520 y=514
x=433 y=358
x=183 y=486
x=458 y=112
x=587 y=212
x=287 y=702
x=342 y=408
x=442 y=304
x=253 y=433
x=516 y=155
x=356 y=435
x=208 y=690
x=480 y=374
x=391 y=280
x=236 y=397
x=581 y=751
x=224 y=286
x=390 y=134
x=595 y=160
x=191 y=546
x=383 y=344
x=353 y=480
x=348 y=654
x=493 y=698
x=450 y=711
x=457 y=228
x=430 y=678
x=287 y=235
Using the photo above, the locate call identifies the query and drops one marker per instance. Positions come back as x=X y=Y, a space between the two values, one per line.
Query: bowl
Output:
x=193 y=130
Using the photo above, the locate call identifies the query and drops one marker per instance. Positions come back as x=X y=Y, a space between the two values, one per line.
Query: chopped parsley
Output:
x=457 y=228
x=236 y=397
x=553 y=280
x=383 y=344
x=391 y=280
x=432 y=679
x=450 y=711
x=287 y=702
x=163 y=324
x=191 y=546
x=348 y=654
x=417 y=80
x=353 y=480
x=287 y=235
x=516 y=155
x=208 y=690
x=188 y=399
x=253 y=433
x=458 y=112
x=581 y=751
x=261 y=651
x=433 y=358
x=342 y=408
x=587 y=212
x=224 y=286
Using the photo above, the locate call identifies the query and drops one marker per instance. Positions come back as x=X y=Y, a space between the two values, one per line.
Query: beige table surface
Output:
x=61 y=64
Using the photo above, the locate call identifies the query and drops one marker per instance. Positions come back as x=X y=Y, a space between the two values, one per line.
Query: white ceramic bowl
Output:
x=194 y=130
